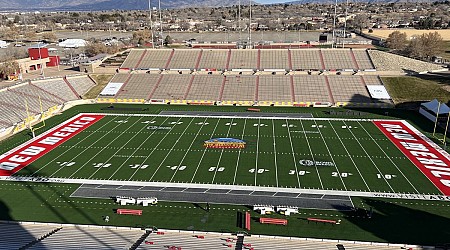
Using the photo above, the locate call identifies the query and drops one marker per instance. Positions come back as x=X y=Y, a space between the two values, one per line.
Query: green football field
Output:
x=320 y=154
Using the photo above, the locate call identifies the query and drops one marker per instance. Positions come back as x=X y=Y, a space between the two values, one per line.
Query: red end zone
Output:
x=25 y=154
x=427 y=158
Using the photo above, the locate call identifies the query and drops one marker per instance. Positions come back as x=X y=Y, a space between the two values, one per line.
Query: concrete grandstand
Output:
x=22 y=102
x=279 y=77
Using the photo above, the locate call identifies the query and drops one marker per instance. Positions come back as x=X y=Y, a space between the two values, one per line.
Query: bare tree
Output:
x=49 y=36
x=360 y=22
x=9 y=68
x=425 y=46
x=397 y=40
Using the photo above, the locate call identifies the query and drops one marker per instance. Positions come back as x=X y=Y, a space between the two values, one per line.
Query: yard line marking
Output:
x=293 y=154
x=221 y=153
x=387 y=156
x=101 y=150
x=275 y=152
x=85 y=138
x=136 y=149
x=73 y=158
x=154 y=148
x=257 y=151
x=312 y=155
x=239 y=154
x=173 y=146
x=370 y=158
x=351 y=158
x=190 y=146
x=204 y=152
x=332 y=158
x=118 y=150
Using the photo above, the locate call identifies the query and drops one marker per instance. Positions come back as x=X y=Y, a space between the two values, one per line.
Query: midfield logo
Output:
x=310 y=163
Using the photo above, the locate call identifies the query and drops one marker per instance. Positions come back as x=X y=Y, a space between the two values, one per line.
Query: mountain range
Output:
x=98 y=5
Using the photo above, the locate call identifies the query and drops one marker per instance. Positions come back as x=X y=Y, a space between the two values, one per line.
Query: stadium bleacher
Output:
x=15 y=236
x=228 y=85
x=81 y=84
x=139 y=86
x=244 y=59
x=306 y=60
x=205 y=87
x=310 y=89
x=34 y=97
x=239 y=88
x=348 y=89
x=273 y=59
x=338 y=59
x=214 y=59
x=184 y=59
x=172 y=87
x=70 y=237
x=273 y=87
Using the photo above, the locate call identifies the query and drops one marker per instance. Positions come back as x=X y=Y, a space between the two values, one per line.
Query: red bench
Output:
x=324 y=221
x=129 y=211
x=273 y=221
x=247 y=221
x=253 y=110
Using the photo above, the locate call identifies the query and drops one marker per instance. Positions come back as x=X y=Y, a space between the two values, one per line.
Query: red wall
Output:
x=34 y=53
x=54 y=61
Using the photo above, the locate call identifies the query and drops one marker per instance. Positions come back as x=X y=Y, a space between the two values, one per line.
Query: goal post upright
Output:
x=42 y=118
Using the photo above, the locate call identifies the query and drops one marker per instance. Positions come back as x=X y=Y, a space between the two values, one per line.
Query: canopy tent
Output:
x=433 y=106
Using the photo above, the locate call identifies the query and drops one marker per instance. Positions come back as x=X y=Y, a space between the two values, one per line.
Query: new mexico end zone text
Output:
x=310 y=154
x=423 y=153
x=25 y=154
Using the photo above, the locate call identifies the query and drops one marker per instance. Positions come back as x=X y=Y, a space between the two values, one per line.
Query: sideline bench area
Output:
x=273 y=221
x=129 y=211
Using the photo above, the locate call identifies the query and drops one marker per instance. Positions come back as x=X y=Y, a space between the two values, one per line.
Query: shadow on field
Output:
x=73 y=214
x=13 y=236
x=398 y=224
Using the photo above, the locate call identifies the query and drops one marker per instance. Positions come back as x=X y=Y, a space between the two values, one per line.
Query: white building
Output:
x=73 y=43
x=3 y=44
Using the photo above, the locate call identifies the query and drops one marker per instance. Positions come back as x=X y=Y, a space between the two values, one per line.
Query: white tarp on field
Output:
x=378 y=92
x=111 y=89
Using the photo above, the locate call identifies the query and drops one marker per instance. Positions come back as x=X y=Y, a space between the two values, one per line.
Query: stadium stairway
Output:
x=239 y=242
x=30 y=244
x=71 y=87
x=140 y=240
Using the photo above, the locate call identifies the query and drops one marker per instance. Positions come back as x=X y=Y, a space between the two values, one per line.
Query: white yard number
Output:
x=212 y=169
x=386 y=176
x=343 y=175
x=260 y=170
x=134 y=166
x=301 y=172
x=101 y=165
x=181 y=168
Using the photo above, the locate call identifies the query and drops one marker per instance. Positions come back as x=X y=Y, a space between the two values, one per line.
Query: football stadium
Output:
x=222 y=149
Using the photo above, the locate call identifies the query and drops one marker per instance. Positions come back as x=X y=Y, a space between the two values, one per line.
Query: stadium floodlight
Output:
x=334 y=24
x=160 y=24
x=151 y=22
